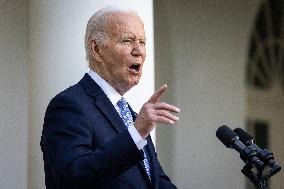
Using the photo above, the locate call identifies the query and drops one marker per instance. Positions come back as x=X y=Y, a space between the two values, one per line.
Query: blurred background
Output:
x=223 y=61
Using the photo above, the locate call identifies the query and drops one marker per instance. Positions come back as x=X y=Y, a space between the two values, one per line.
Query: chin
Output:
x=134 y=82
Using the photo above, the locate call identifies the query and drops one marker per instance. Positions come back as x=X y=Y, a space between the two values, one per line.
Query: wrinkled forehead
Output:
x=123 y=24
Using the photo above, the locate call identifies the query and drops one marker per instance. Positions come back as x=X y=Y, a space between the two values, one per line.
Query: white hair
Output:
x=96 y=27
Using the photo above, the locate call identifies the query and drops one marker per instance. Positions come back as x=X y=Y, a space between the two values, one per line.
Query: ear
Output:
x=95 y=51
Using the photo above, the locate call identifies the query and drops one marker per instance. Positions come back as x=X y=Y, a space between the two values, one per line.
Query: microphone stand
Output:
x=258 y=178
x=263 y=184
x=258 y=159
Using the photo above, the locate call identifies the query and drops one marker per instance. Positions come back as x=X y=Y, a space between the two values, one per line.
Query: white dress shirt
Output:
x=114 y=97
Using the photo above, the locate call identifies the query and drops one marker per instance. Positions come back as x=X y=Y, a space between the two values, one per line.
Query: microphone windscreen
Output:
x=244 y=136
x=225 y=135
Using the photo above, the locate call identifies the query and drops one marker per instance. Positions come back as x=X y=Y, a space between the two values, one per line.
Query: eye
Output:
x=126 y=40
x=142 y=43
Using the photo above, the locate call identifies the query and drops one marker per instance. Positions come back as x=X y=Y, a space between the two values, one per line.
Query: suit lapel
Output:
x=106 y=107
x=102 y=102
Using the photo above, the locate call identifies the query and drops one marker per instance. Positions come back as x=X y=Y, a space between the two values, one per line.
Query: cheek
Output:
x=121 y=58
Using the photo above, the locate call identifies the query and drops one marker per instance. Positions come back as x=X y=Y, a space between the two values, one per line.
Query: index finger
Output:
x=157 y=94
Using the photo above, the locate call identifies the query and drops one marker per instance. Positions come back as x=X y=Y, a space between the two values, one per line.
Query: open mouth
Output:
x=134 y=68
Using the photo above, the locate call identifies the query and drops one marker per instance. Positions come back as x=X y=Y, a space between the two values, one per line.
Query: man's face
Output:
x=123 y=57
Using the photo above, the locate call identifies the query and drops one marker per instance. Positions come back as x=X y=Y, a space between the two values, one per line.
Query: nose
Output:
x=138 y=49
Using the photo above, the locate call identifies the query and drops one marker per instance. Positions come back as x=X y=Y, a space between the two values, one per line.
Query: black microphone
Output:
x=244 y=136
x=231 y=140
x=265 y=155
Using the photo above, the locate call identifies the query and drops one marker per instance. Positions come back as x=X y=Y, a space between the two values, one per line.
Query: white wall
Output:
x=13 y=93
x=57 y=60
x=201 y=52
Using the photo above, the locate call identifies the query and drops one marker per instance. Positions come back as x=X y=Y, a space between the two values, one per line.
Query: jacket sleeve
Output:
x=67 y=141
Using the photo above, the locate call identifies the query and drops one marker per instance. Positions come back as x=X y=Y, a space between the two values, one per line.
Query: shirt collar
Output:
x=111 y=93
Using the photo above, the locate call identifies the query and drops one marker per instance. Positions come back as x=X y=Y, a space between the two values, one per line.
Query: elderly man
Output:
x=91 y=137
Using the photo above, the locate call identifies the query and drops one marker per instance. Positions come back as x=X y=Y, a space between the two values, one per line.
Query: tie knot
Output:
x=122 y=104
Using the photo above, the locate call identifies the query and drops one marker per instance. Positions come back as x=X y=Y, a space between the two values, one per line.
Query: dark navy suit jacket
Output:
x=86 y=145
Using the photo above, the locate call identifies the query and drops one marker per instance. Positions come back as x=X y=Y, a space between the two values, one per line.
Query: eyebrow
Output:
x=128 y=36
x=131 y=36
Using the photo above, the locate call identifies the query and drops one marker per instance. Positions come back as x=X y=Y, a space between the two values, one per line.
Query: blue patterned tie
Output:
x=128 y=121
